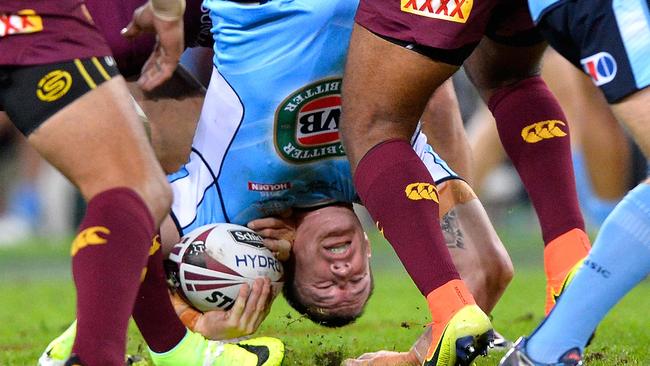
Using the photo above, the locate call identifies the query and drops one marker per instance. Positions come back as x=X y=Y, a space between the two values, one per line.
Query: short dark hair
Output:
x=315 y=314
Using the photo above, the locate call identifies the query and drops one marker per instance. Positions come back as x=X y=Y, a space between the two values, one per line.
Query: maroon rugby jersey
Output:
x=40 y=32
x=111 y=16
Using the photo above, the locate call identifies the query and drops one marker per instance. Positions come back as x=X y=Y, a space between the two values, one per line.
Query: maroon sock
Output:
x=535 y=135
x=108 y=256
x=153 y=311
x=398 y=191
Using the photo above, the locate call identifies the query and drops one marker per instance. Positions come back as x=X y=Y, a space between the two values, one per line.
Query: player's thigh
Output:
x=386 y=100
x=494 y=65
x=608 y=40
x=634 y=112
x=510 y=50
x=443 y=126
x=4 y=120
x=172 y=112
x=98 y=142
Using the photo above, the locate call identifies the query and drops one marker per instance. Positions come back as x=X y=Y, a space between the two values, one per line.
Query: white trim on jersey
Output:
x=221 y=116
x=437 y=167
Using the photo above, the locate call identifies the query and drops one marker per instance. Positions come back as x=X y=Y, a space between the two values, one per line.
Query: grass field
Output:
x=37 y=303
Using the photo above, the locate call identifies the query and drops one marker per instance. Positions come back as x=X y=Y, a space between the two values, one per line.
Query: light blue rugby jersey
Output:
x=537 y=7
x=268 y=138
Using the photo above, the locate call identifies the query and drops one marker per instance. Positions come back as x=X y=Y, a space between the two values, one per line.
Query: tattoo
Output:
x=451 y=230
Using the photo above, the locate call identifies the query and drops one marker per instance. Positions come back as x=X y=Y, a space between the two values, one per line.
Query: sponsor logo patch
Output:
x=422 y=191
x=24 y=21
x=601 y=67
x=268 y=187
x=54 y=85
x=307 y=123
x=543 y=130
x=89 y=236
x=247 y=237
x=452 y=10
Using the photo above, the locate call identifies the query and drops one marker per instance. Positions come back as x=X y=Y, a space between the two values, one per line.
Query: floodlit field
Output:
x=37 y=303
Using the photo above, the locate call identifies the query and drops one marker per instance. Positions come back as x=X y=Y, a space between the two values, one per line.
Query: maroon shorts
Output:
x=32 y=94
x=42 y=32
x=112 y=16
x=448 y=30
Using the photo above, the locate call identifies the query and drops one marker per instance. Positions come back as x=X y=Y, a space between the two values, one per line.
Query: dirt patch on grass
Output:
x=330 y=358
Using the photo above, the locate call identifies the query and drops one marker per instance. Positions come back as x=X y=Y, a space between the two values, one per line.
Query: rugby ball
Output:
x=212 y=262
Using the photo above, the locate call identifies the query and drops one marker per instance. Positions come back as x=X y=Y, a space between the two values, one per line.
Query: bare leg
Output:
x=98 y=143
x=595 y=130
x=485 y=144
x=443 y=126
x=390 y=112
x=173 y=111
x=376 y=126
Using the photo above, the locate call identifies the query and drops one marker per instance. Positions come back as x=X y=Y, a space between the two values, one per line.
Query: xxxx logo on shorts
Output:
x=542 y=131
x=89 y=236
x=451 y=10
x=24 y=21
x=422 y=191
x=54 y=85
x=307 y=123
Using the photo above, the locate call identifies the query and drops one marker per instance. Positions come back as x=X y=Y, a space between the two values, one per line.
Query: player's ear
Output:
x=366 y=242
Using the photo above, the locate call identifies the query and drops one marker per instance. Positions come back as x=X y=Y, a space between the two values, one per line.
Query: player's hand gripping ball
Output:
x=212 y=262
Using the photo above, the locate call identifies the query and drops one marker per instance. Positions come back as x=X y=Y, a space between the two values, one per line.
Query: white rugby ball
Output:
x=212 y=262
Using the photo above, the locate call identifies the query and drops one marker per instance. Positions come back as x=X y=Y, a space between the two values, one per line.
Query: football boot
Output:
x=563 y=256
x=468 y=334
x=556 y=291
x=517 y=356
x=194 y=350
x=500 y=343
x=57 y=352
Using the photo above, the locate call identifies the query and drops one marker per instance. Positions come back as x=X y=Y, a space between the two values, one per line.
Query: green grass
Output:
x=37 y=303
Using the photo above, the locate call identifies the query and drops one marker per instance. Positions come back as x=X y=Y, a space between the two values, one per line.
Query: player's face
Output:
x=332 y=259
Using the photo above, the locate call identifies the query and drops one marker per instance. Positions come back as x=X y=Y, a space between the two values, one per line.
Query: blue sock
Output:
x=620 y=259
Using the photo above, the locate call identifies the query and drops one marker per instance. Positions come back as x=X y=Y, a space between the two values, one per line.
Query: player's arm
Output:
x=252 y=305
x=165 y=18
x=278 y=234
x=414 y=357
x=249 y=310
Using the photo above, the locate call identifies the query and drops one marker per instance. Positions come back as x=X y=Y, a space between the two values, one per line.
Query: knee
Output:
x=505 y=273
x=157 y=194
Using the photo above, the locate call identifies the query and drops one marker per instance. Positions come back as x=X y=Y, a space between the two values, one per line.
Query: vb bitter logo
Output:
x=307 y=123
